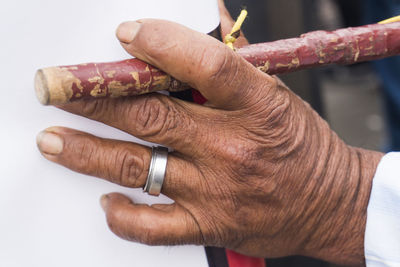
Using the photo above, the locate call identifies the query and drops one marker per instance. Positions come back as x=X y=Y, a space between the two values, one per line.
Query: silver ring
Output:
x=158 y=166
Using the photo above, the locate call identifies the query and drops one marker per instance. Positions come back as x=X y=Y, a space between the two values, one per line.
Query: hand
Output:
x=256 y=170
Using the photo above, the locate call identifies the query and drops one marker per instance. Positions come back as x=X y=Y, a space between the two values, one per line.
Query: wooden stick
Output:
x=58 y=85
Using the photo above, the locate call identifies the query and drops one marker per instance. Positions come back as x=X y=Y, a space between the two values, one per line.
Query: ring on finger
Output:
x=157 y=169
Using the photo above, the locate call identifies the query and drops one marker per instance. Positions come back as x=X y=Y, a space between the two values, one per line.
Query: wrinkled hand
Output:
x=256 y=170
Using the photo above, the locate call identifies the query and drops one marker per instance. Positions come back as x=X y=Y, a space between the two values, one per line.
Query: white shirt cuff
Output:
x=382 y=235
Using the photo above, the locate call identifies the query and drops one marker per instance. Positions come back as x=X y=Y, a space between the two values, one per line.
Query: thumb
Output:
x=153 y=225
x=203 y=62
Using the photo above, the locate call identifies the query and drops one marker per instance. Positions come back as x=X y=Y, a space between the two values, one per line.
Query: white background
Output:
x=50 y=216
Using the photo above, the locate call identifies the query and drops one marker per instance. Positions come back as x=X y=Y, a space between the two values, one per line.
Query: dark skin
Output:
x=256 y=170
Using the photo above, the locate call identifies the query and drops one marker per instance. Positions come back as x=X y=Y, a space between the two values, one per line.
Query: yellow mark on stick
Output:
x=391 y=20
x=230 y=38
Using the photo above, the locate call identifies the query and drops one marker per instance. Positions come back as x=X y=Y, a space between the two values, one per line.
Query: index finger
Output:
x=204 y=63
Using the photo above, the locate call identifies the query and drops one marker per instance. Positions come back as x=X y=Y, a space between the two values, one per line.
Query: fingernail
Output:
x=103 y=202
x=50 y=143
x=127 y=31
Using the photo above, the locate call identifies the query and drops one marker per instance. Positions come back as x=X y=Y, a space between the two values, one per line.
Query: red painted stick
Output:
x=57 y=85
x=344 y=46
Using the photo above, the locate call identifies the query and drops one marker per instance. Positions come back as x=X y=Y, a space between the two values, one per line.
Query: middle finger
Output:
x=155 y=118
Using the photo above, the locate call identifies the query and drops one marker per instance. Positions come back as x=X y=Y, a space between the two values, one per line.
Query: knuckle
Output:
x=274 y=82
x=86 y=153
x=249 y=167
x=155 y=116
x=278 y=110
x=96 y=108
x=131 y=169
x=223 y=67
x=243 y=158
x=90 y=108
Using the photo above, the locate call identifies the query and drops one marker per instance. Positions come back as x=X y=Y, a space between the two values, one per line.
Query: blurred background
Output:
x=361 y=102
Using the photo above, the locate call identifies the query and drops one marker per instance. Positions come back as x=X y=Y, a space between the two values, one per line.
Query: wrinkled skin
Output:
x=256 y=170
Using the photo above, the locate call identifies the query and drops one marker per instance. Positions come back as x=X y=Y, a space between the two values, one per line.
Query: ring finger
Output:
x=123 y=163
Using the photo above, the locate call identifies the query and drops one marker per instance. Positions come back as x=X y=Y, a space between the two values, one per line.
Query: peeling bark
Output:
x=63 y=84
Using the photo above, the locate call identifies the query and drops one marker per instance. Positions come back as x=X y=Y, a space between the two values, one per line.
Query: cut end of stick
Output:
x=54 y=85
x=42 y=88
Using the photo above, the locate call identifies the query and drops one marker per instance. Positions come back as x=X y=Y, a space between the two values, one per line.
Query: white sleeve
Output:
x=382 y=234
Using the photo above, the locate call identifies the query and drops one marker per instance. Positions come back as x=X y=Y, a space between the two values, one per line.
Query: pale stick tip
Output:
x=42 y=88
